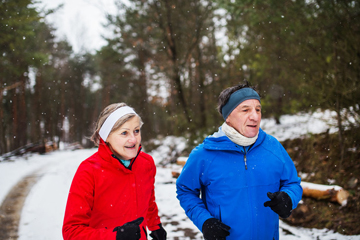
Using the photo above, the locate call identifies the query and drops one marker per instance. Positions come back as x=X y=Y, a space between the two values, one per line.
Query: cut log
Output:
x=331 y=193
x=175 y=174
x=176 y=169
x=181 y=160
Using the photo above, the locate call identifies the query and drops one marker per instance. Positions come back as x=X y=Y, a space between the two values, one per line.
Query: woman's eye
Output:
x=137 y=131
x=123 y=133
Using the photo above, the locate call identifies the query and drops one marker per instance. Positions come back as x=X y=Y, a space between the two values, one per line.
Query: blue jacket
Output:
x=215 y=183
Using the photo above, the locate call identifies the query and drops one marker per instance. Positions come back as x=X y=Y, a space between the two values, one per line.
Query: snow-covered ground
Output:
x=42 y=215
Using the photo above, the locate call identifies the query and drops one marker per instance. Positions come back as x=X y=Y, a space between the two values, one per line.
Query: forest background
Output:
x=163 y=58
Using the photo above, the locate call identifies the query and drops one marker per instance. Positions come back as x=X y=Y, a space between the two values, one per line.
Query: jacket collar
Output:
x=107 y=154
x=219 y=141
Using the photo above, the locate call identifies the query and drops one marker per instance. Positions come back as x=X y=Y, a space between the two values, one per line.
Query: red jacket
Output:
x=104 y=194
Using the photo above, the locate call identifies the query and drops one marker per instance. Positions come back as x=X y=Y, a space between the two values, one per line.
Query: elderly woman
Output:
x=112 y=194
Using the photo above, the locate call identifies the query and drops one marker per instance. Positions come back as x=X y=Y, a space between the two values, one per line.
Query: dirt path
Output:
x=10 y=209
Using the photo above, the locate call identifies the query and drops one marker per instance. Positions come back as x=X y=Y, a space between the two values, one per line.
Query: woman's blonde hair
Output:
x=105 y=114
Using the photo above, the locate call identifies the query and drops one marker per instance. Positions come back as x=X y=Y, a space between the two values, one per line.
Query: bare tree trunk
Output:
x=14 y=139
x=143 y=97
x=22 y=127
x=173 y=56
x=3 y=145
x=201 y=90
x=37 y=105
x=62 y=113
x=340 y=133
x=180 y=93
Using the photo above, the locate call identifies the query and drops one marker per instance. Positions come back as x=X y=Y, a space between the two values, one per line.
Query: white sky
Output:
x=80 y=21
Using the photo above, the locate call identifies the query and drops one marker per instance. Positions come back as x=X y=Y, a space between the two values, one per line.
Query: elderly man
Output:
x=237 y=183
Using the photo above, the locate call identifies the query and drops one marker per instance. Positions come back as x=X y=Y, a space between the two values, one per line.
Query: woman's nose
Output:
x=132 y=138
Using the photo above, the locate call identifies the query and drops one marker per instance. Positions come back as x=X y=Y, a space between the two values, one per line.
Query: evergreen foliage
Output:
x=302 y=55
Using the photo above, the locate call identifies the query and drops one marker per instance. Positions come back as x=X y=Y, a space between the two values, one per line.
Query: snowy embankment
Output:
x=43 y=211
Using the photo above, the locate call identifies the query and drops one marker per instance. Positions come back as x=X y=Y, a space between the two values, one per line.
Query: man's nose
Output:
x=254 y=115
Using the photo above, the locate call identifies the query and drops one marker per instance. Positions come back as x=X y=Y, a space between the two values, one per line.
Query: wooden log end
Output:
x=175 y=174
x=181 y=160
x=342 y=197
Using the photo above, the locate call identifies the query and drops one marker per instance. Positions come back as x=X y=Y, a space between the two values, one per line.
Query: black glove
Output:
x=130 y=230
x=159 y=234
x=214 y=229
x=280 y=203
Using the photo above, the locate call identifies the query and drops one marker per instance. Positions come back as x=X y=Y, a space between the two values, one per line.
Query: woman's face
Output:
x=125 y=141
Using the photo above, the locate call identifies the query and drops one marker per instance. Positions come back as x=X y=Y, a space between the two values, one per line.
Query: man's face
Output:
x=246 y=117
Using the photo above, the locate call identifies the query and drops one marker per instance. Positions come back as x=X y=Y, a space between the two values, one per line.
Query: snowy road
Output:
x=42 y=214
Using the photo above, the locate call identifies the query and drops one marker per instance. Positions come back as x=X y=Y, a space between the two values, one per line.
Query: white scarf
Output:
x=236 y=137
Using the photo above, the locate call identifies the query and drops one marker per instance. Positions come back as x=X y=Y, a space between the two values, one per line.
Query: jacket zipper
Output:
x=220 y=214
x=245 y=159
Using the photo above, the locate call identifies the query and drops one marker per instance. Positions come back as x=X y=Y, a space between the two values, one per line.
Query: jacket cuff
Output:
x=153 y=228
x=200 y=222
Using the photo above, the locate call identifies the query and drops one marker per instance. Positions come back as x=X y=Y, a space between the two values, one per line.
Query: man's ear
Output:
x=228 y=122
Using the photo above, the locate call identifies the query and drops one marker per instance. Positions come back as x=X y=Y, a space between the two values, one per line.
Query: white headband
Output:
x=112 y=119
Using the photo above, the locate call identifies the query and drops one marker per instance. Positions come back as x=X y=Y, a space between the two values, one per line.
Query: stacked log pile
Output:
x=40 y=148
